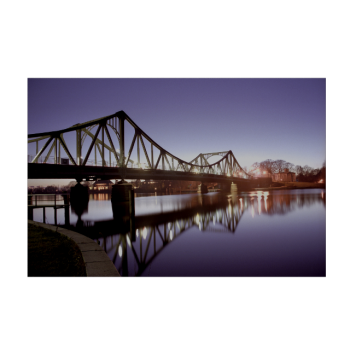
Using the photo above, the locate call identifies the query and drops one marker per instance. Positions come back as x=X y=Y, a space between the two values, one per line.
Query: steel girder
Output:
x=227 y=165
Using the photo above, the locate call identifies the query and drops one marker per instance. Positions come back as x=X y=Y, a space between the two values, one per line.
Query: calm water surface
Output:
x=275 y=233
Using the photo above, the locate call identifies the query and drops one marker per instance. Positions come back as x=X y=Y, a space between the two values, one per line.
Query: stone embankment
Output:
x=97 y=263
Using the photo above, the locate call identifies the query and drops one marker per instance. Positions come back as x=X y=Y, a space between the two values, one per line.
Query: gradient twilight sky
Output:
x=257 y=119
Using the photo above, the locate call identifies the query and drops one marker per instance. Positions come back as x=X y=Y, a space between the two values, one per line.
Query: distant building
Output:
x=286 y=176
x=102 y=185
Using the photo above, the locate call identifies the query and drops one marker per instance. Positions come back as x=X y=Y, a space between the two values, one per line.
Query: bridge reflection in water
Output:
x=134 y=252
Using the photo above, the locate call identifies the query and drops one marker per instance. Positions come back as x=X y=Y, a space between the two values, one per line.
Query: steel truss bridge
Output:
x=153 y=237
x=165 y=166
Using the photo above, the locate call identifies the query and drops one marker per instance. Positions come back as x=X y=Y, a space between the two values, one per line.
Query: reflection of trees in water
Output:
x=281 y=203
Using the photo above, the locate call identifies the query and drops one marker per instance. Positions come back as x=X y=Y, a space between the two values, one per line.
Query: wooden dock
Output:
x=34 y=203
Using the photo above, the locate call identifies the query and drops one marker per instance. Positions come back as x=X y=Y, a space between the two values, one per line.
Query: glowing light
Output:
x=120 y=251
x=171 y=235
x=137 y=232
x=214 y=219
x=265 y=194
x=200 y=226
x=259 y=205
x=144 y=233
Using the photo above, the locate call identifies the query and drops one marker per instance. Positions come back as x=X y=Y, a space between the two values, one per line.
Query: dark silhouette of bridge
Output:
x=165 y=166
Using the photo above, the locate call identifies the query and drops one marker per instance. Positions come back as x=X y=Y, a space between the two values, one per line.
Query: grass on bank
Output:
x=52 y=254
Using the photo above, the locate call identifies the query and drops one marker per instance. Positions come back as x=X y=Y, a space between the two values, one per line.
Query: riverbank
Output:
x=292 y=186
x=95 y=260
x=51 y=254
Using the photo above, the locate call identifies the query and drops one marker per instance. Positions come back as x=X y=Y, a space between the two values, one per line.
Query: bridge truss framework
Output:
x=115 y=124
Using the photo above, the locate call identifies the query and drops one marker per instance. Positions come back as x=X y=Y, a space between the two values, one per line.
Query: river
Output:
x=270 y=233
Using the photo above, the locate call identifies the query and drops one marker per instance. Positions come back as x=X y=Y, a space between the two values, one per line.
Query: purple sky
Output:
x=255 y=118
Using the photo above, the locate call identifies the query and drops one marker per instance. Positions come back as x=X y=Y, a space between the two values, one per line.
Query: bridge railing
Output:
x=46 y=198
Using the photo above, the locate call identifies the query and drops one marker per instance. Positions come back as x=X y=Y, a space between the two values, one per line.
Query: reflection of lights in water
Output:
x=200 y=226
x=322 y=194
x=120 y=251
x=197 y=219
x=128 y=241
x=253 y=211
x=214 y=219
x=144 y=233
x=259 y=194
x=169 y=225
x=171 y=235
x=137 y=232
x=241 y=201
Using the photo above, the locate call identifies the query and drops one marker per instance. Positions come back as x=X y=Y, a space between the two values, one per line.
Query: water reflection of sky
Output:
x=280 y=233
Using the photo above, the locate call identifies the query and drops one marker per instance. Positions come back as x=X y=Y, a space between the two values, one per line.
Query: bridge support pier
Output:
x=202 y=188
x=233 y=188
x=123 y=206
x=120 y=192
x=79 y=193
x=66 y=209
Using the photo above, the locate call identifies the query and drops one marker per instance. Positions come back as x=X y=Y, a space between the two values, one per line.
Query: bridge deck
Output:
x=58 y=171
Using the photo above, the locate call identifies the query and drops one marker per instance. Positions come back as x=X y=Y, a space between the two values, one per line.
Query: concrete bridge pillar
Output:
x=120 y=192
x=123 y=207
x=79 y=193
x=202 y=188
x=234 y=188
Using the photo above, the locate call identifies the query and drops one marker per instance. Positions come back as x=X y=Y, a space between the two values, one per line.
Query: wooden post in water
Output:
x=66 y=209
x=132 y=214
x=44 y=215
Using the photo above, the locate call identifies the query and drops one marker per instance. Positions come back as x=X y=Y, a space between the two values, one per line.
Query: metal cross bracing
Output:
x=108 y=132
x=153 y=238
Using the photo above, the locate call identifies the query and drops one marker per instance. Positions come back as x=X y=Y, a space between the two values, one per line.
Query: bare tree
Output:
x=280 y=165
x=298 y=169
x=307 y=170
x=267 y=165
x=289 y=166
